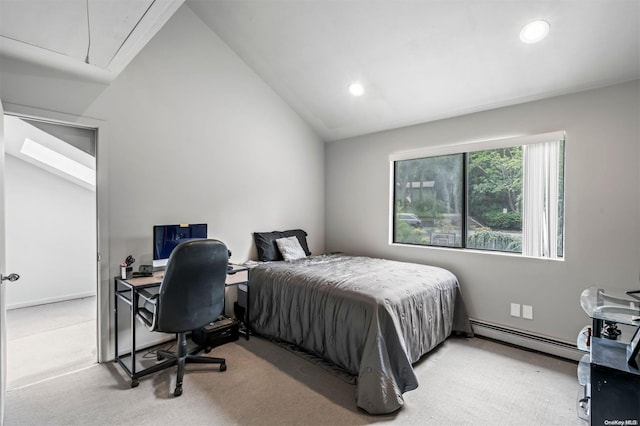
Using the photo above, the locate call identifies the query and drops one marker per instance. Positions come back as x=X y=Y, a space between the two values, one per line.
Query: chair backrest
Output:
x=192 y=290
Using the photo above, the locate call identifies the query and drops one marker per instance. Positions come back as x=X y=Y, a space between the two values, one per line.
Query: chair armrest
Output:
x=147 y=295
x=147 y=312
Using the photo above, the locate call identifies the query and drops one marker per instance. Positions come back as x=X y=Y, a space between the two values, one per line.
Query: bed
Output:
x=371 y=317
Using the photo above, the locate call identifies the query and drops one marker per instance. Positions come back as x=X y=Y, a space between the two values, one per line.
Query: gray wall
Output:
x=197 y=137
x=602 y=244
x=192 y=135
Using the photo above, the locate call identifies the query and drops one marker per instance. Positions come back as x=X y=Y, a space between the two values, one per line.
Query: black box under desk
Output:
x=217 y=333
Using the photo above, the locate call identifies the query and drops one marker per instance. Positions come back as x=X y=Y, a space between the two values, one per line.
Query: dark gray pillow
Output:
x=267 y=247
x=302 y=237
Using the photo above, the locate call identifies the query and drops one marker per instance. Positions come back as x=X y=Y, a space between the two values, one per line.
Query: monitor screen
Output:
x=167 y=237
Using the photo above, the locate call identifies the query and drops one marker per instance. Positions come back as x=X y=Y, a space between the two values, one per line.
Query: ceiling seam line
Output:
x=132 y=30
x=36 y=46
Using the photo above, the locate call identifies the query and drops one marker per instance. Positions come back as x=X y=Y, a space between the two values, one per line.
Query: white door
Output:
x=3 y=310
x=4 y=279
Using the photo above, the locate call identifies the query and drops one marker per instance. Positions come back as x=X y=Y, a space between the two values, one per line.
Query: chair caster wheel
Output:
x=223 y=367
x=134 y=383
x=178 y=391
x=159 y=357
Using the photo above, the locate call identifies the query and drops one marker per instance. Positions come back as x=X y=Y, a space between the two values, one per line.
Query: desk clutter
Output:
x=219 y=332
x=126 y=270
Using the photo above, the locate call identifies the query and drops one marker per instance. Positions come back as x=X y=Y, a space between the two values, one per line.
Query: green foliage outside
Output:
x=495 y=179
x=500 y=220
x=445 y=196
x=406 y=233
x=426 y=208
x=432 y=189
x=494 y=183
x=494 y=240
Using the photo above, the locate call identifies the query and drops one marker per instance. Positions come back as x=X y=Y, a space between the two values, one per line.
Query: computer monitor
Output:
x=167 y=237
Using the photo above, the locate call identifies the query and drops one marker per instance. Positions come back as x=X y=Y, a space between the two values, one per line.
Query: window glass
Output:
x=429 y=200
x=508 y=199
x=494 y=217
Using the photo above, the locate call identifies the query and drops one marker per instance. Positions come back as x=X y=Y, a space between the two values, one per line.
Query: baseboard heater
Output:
x=527 y=340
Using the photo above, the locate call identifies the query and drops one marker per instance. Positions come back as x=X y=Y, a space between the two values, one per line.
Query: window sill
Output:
x=474 y=251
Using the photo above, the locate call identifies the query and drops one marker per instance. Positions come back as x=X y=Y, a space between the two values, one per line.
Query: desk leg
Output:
x=115 y=317
x=247 y=330
x=134 y=312
x=118 y=298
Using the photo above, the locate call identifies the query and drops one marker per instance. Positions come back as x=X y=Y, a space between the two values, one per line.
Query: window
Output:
x=504 y=195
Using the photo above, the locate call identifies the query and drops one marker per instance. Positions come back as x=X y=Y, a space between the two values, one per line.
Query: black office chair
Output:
x=191 y=296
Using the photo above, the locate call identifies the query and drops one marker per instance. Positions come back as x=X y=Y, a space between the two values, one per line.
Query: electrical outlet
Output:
x=515 y=310
x=527 y=312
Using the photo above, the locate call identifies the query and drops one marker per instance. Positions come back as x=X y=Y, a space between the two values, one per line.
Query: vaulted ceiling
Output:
x=417 y=60
x=94 y=38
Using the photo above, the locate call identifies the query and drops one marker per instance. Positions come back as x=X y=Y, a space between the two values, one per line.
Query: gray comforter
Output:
x=372 y=317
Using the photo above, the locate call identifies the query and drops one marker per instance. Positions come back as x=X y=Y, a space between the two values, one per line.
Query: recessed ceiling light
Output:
x=534 y=31
x=356 y=89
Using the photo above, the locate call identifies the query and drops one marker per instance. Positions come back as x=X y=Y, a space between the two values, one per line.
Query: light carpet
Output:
x=463 y=382
x=48 y=340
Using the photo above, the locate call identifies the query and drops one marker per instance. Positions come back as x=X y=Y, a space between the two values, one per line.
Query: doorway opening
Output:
x=51 y=238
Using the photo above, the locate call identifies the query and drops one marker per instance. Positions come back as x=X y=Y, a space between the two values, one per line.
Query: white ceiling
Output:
x=94 y=38
x=422 y=60
x=419 y=60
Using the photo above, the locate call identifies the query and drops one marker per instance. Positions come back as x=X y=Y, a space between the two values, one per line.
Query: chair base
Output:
x=180 y=358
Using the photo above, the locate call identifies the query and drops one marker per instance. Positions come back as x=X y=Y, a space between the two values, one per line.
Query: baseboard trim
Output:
x=50 y=300
x=527 y=340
